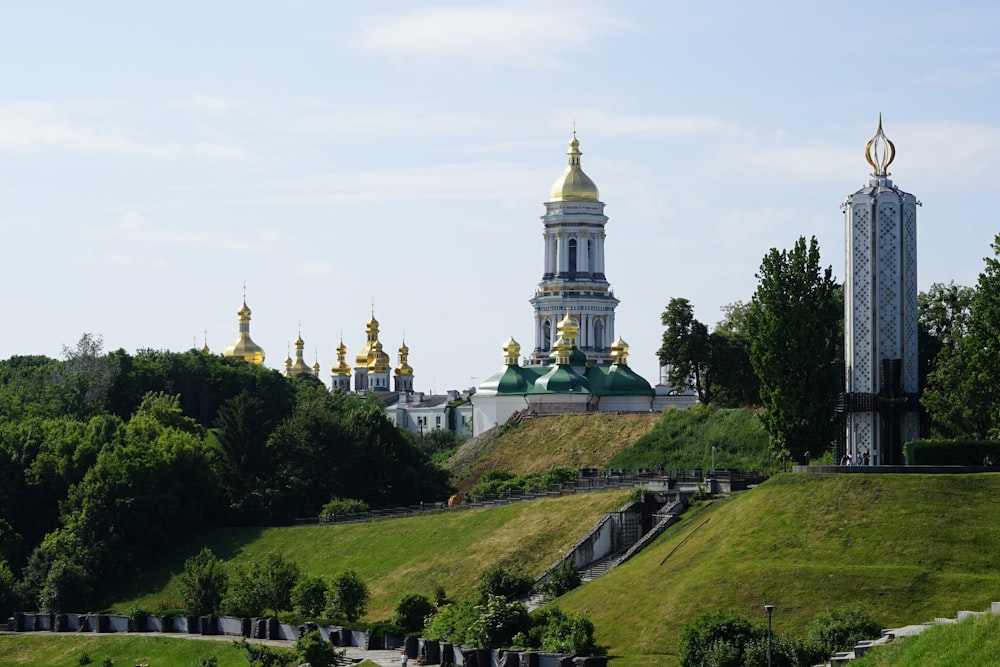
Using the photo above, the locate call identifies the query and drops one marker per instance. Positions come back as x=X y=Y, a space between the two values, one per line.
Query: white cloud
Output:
x=518 y=35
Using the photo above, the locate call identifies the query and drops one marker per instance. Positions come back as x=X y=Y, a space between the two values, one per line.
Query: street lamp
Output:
x=769 y=608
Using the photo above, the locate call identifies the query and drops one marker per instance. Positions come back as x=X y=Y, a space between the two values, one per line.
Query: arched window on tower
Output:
x=546 y=336
x=572 y=258
x=590 y=256
x=599 y=336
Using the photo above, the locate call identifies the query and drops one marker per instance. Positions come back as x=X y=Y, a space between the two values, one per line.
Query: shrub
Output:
x=451 y=623
x=412 y=612
x=563 y=578
x=503 y=581
x=840 y=629
x=554 y=631
x=342 y=506
x=497 y=621
x=266 y=586
x=312 y=649
x=203 y=583
x=347 y=597
x=717 y=639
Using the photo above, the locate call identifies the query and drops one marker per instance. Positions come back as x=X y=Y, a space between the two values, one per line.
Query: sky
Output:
x=339 y=157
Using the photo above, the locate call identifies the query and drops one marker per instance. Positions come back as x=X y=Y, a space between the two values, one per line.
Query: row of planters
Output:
x=429 y=651
x=252 y=628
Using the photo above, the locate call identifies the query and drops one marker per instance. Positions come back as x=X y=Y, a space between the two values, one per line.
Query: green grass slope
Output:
x=974 y=641
x=396 y=556
x=538 y=444
x=673 y=439
x=906 y=547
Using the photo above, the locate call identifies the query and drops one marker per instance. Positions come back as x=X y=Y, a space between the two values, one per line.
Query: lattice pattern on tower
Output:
x=861 y=293
x=910 y=371
x=887 y=251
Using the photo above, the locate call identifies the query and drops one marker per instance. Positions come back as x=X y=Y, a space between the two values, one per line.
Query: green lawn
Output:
x=974 y=641
x=907 y=547
x=65 y=650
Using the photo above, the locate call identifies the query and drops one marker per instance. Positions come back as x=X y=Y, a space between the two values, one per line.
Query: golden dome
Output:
x=243 y=347
x=511 y=350
x=574 y=185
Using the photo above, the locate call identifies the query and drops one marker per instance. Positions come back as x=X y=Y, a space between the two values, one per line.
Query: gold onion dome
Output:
x=243 y=347
x=619 y=351
x=512 y=351
x=574 y=185
x=404 y=368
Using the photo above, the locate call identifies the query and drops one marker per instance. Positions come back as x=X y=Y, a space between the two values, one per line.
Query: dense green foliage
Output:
x=502 y=482
x=264 y=587
x=347 y=597
x=341 y=507
x=204 y=583
x=684 y=439
x=715 y=365
x=413 y=611
x=107 y=458
x=795 y=334
x=729 y=640
x=505 y=582
x=563 y=578
x=951 y=452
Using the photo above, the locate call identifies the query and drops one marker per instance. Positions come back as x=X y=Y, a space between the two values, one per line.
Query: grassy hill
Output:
x=673 y=439
x=396 y=556
x=537 y=444
x=906 y=547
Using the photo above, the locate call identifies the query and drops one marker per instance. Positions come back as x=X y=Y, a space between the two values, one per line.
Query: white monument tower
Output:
x=880 y=315
x=573 y=282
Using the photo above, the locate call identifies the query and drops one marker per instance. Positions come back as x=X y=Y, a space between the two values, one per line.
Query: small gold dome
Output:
x=574 y=185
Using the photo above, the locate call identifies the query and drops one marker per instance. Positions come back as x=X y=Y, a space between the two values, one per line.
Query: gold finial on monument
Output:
x=880 y=152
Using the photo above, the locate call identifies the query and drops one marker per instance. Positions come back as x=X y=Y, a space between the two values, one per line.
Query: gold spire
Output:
x=574 y=185
x=316 y=364
x=880 y=152
x=243 y=347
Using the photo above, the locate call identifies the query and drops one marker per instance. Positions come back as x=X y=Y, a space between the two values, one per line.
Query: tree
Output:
x=203 y=583
x=795 y=328
x=717 y=639
x=685 y=349
x=503 y=581
x=733 y=376
x=264 y=587
x=309 y=597
x=413 y=611
x=983 y=340
x=950 y=394
x=348 y=596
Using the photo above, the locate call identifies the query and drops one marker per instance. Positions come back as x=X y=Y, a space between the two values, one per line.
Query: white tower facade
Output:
x=573 y=281
x=880 y=315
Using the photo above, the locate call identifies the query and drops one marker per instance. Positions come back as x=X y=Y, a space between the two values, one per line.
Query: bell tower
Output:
x=573 y=281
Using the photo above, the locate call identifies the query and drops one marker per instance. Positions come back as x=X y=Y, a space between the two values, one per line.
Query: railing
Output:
x=589 y=480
